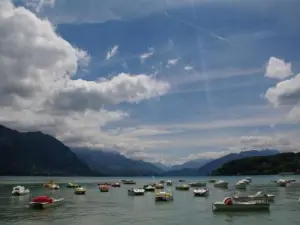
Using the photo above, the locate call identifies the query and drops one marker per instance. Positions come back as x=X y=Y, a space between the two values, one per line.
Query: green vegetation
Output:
x=259 y=165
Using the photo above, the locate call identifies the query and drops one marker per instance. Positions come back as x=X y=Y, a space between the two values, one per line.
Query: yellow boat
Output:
x=80 y=191
x=72 y=185
x=162 y=196
x=50 y=183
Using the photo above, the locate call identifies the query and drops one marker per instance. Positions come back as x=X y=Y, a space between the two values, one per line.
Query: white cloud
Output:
x=111 y=53
x=38 y=92
x=38 y=5
x=172 y=62
x=188 y=68
x=278 y=69
x=146 y=55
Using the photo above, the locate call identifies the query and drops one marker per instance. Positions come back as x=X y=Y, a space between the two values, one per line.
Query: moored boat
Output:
x=51 y=182
x=197 y=184
x=260 y=195
x=212 y=181
x=162 y=196
x=136 y=191
x=129 y=182
x=242 y=184
x=228 y=204
x=201 y=192
x=159 y=186
x=282 y=183
x=169 y=183
x=54 y=186
x=80 y=190
x=104 y=188
x=116 y=185
x=161 y=182
x=183 y=187
x=43 y=202
x=149 y=188
x=221 y=184
x=72 y=185
x=20 y=190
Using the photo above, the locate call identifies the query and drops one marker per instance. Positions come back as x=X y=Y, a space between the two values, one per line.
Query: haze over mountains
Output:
x=36 y=153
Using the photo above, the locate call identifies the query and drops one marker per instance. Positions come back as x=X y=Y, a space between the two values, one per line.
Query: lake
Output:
x=117 y=208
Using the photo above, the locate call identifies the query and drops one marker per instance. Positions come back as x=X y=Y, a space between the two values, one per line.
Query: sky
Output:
x=158 y=80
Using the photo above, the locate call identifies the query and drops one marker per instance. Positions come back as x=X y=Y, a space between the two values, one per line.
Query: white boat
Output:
x=159 y=186
x=197 y=184
x=249 y=179
x=203 y=192
x=149 y=188
x=136 y=191
x=260 y=195
x=80 y=191
x=282 y=183
x=169 y=183
x=163 y=196
x=43 y=202
x=242 y=184
x=20 y=190
x=54 y=186
x=221 y=184
x=228 y=204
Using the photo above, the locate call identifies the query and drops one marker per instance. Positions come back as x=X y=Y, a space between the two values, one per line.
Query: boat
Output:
x=201 y=192
x=181 y=180
x=249 y=179
x=116 y=185
x=242 y=184
x=51 y=182
x=221 y=184
x=136 y=191
x=20 y=190
x=128 y=182
x=149 y=188
x=197 y=184
x=161 y=182
x=169 y=183
x=104 y=188
x=212 y=181
x=54 y=186
x=80 y=190
x=183 y=187
x=43 y=202
x=72 y=185
x=162 y=196
x=282 y=183
x=228 y=204
x=159 y=186
x=260 y=195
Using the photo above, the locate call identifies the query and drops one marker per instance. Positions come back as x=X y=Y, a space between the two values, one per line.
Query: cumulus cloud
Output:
x=278 y=69
x=111 y=53
x=188 y=68
x=38 y=91
x=172 y=62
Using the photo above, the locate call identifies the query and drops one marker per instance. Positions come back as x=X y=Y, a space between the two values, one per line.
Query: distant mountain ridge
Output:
x=115 y=164
x=36 y=153
x=192 y=164
x=217 y=163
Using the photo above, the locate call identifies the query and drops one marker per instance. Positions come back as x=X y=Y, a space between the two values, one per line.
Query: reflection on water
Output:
x=116 y=207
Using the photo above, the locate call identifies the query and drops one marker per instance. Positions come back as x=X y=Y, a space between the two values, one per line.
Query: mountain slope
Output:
x=283 y=162
x=217 y=163
x=35 y=153
x=115 y=164
x=192 y=164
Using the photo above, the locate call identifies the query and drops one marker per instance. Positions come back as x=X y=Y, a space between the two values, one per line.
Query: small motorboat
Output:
x=183 y=187
x=228 y=204
x=149 y=188
x=159 y=186
x=181 y=180
x=51 y=182
x=260 y=195
x=221 y=184
x=43 y=202
x=136 y=191
x=129 y=182
x=54 y=186
x=242 y=184
x=197 y=184
x=249 y=179
x=212 y=181
x=104 y=188
x=282 y=183
x=201 y=192
x=80 y=190
x=20 y=190
x=116 y=185
x=162 y=196
x=72 y=185
x=169 y=183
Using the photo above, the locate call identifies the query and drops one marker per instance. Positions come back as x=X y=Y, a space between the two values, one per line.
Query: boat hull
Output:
x=241 y=207
x=19 y=193
x=164 y=199
x=45 y=205
x=201 y=194
x=79 y=192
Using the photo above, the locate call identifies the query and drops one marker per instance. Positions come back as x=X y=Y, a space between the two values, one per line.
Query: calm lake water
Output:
x=117 y=208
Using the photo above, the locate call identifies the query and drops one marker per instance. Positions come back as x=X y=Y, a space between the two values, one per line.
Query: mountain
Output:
x=217 y=163
x=115 y=164
x=36 y=153
x=161 y=166
x=192 y=164
x=274 y=164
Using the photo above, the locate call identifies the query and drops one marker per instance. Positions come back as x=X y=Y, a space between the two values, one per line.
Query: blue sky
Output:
x=213 y=56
